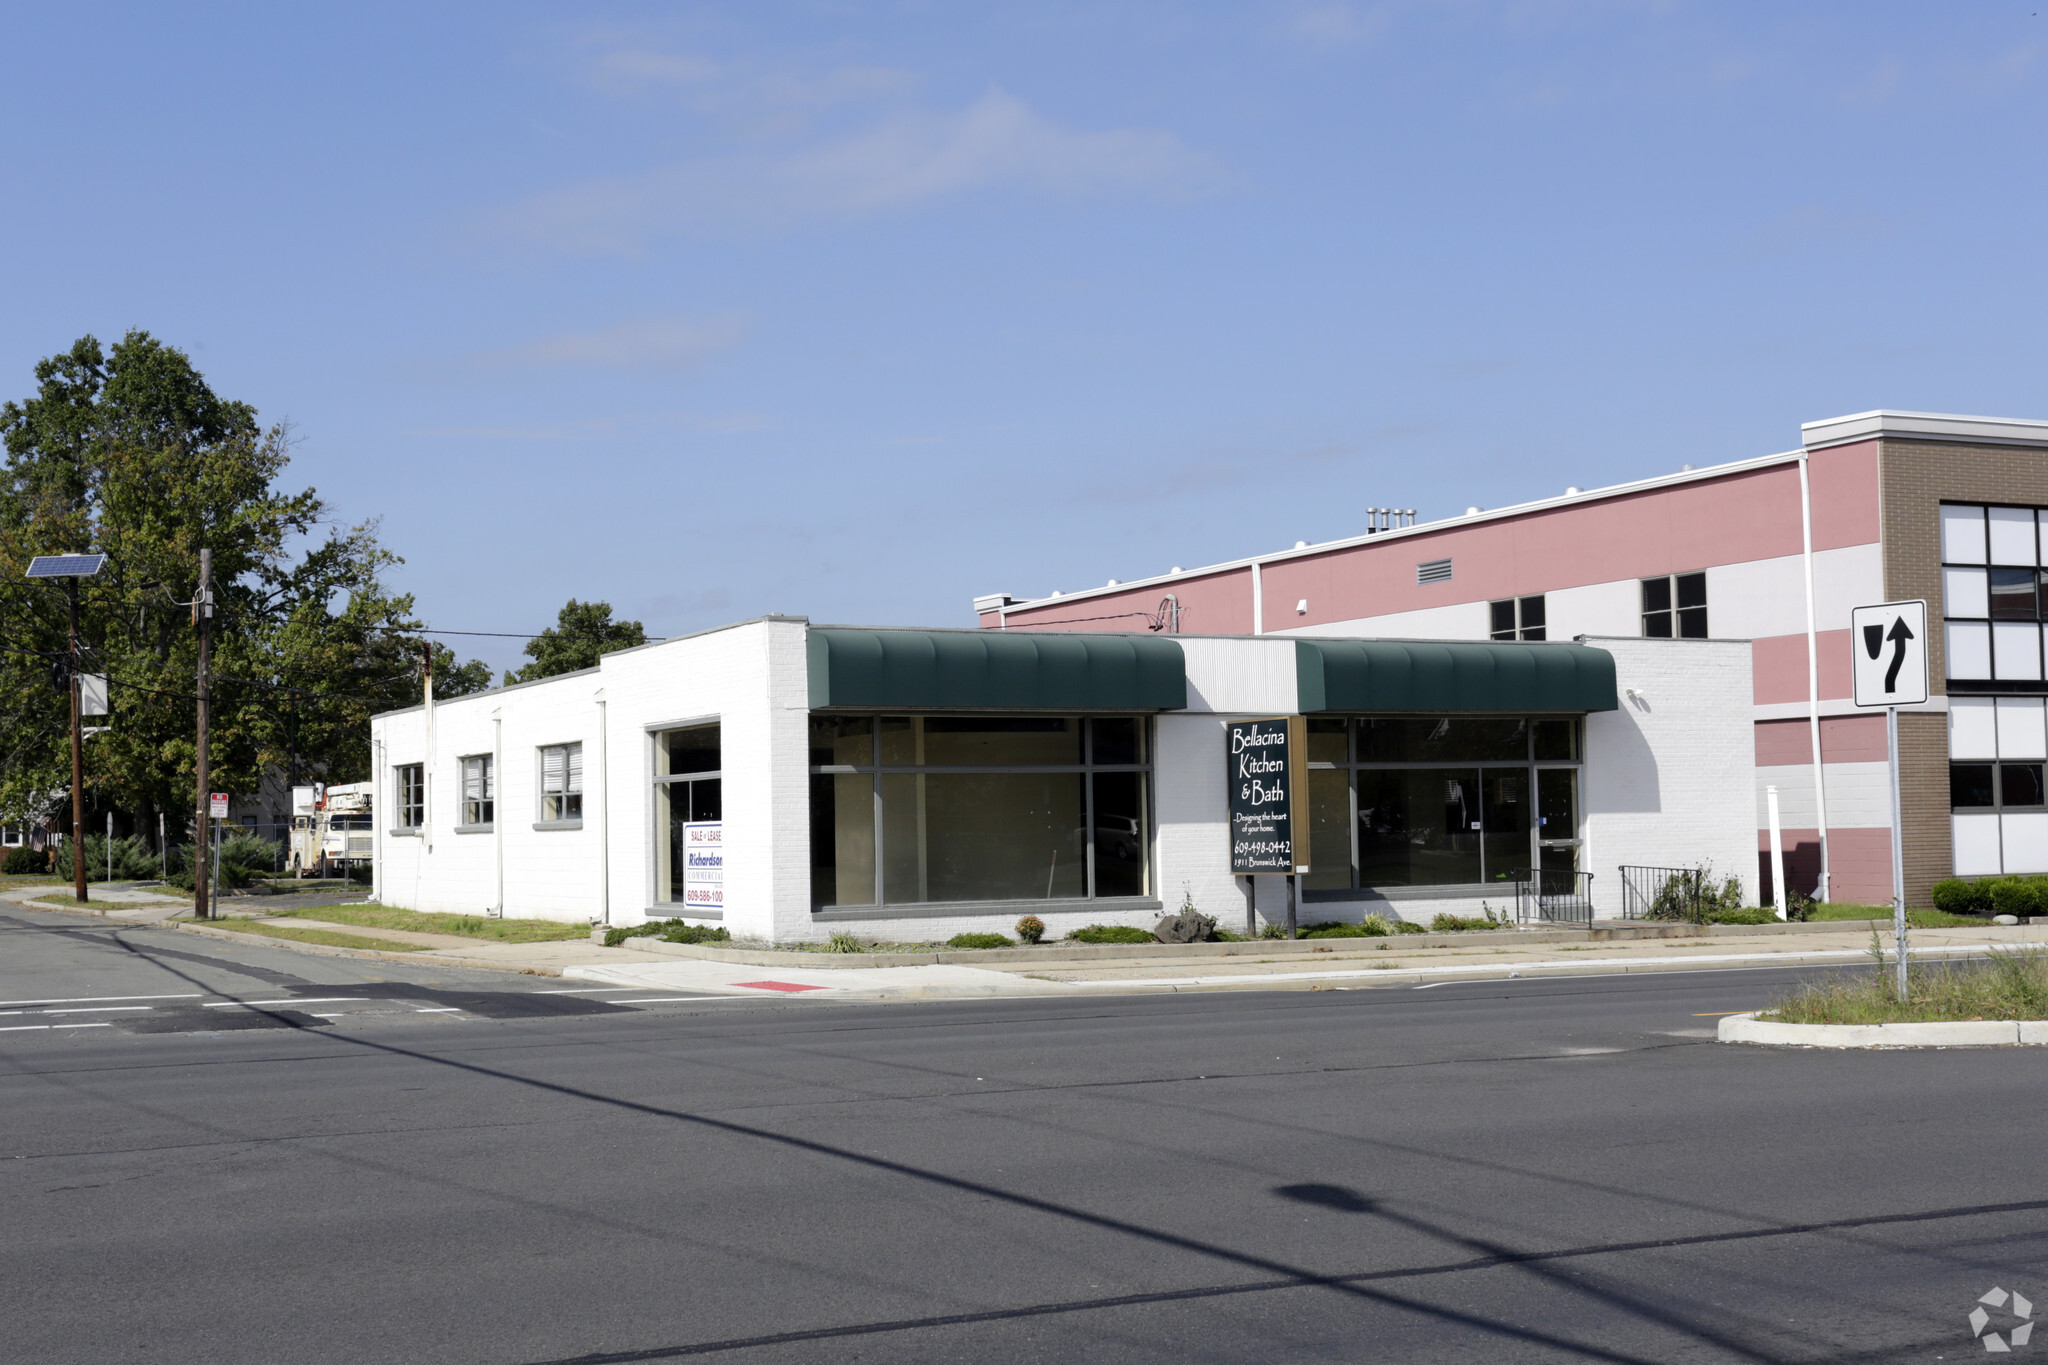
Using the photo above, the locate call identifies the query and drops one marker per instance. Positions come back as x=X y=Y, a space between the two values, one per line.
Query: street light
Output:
x=71 y=568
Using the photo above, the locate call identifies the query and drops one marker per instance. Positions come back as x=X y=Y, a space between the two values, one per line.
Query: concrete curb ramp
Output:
x=1747 y=1028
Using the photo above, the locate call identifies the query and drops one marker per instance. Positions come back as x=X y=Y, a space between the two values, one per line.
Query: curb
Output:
x=362 y=954
x=1747 y=1028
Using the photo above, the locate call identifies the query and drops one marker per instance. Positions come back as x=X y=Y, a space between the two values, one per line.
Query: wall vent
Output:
x=1433 y=571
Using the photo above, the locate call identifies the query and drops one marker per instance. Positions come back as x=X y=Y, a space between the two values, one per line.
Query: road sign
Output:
x=217 y=805
x=1889 y=643
x=1268 y=795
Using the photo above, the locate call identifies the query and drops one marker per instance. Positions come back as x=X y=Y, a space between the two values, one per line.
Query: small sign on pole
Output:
x=1268 y=777
x=1889 y=645
x=217 y=805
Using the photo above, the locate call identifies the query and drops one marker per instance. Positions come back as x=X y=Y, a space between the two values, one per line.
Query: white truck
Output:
x=331 y=829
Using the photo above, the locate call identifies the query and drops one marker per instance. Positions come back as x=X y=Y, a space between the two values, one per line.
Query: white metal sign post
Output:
x=1889 y=644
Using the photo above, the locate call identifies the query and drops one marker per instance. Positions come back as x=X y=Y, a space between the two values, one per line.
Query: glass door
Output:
x=1557 y=819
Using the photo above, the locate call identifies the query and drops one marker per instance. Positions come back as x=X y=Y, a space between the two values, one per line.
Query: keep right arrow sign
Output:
x=1890 y=645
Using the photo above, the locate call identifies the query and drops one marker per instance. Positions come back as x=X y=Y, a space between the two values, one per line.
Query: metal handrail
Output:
x=1665 y=893
x=1553 y=896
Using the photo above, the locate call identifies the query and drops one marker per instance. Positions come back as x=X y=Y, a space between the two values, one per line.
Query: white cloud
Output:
x=662 y=343
x=900 y=160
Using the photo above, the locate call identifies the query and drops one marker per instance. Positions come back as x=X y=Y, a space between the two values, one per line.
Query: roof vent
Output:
x=1685 y=469
x=1112 y=583
x=1301 y=545
x=1175 y=569
x=1055 y=592
x=1433 y=571
x=1573 y=491
x=1474 y=511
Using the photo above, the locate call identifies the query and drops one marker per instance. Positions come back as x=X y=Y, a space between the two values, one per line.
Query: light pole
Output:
x=71 y=568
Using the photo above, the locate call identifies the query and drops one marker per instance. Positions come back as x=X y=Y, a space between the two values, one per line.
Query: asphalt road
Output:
x=1525 y=1170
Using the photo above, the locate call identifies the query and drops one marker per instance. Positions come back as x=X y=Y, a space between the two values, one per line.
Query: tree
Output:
x=129 y=452
x=583 y=631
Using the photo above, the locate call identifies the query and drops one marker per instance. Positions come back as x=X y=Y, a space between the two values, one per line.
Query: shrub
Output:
x=1372 y=926
x=2022 y=896
x=1031 y=929
x=1408 y=927
x=1954 y=896
x=979 y=941
x=1746 y=916
x=1111 y=933
x=844 y=943
x=614 y=937
x=25 y=861
x=675 y=931
x=1455 y=924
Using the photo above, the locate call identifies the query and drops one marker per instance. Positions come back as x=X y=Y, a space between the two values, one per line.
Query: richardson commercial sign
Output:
x=1268 y=761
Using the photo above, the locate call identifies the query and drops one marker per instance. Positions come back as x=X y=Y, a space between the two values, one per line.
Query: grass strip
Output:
x=298 y=935
x=2008 y=985
x=1918 y=919
x=374 y=916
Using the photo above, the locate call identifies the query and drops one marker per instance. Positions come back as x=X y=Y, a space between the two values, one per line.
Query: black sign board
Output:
x=1268 y=776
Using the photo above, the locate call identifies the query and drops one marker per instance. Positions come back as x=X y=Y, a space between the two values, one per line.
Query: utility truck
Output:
x=331 y=829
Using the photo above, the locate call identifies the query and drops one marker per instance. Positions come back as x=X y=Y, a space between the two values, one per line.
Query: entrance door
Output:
x=1557 y=825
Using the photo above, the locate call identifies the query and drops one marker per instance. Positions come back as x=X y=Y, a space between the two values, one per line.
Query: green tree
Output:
x=129 y=452
x=582 y=632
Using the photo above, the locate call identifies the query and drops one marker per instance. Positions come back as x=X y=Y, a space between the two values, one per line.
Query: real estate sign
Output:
x=1268 y=777
x=704 y=865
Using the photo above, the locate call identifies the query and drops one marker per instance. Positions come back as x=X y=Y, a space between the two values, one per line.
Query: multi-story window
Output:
x=1675 y=606
x=479 y=800
x=919 y=809
x=1440 y=801
x=1998 y=747
x=561 y=782
x=410 y=782
x=1518 y=618
x=688 y=789
x=1991 y=591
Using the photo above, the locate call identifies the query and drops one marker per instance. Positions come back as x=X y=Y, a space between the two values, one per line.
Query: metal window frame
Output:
x=411 y=781
x=1995 y=685
x=561 y=818
x=474 y=821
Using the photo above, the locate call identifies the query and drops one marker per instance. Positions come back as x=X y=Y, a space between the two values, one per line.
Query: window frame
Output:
x=1519 y=626
x=1673 y=615
x=1986 y=629
x=666 y=887
x=563 y=817
x=877 y=770
x=478 y=813
x=409 y=788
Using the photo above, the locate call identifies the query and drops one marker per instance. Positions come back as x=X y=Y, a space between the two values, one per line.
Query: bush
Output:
x=1954 y=896
x=1457 y=924
x=1408 y=927
x=1691 y=895
x=1031 y=929
x=844 y=943
x=2022 y=896
x=979 y=941
x=675 y=931
x=25 y=861
x=1748 y=916
x=1111 y=933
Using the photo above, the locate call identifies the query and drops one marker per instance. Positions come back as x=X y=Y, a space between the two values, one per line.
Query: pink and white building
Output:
x=1773 y=550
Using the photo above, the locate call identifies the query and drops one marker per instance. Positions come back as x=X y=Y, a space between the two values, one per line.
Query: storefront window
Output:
x=978 y=808
x=1440 y=801
x=687 y=791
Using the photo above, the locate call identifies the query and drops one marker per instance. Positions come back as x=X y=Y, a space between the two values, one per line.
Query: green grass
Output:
x=1111 y=933
x=375 y=916
x=2011 y=985
x=1918 y=919
x=325 y=936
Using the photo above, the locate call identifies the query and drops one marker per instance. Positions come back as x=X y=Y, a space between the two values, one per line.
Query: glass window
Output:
x=1970 y=784
x=1992 y=614
x=1532 y=617
x=1329 y=740
x=1557 y=739
x=1675 y=606
x=688 y=789
x=1386 y=739
x=411 y=783
x=979 y=808
x=1962 y=534
x=1502 y=619
x=2019 y=784
x=478 y=800
x=2012 y=595
x=561 y=782
x=1418 y=826
x=1517 y=618
x=2012 y=536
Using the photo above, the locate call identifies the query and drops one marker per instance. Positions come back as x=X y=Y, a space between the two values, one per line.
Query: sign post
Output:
x=1268 y=800
x=1889 y=647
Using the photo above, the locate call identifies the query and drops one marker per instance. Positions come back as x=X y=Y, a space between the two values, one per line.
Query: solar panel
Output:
x=65 y=566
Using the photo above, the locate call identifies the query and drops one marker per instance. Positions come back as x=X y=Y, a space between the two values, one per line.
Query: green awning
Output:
x=921 y=670
x=1441 y=677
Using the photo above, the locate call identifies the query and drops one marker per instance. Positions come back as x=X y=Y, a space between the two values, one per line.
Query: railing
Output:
x=1552 y=896
x=1666 y=893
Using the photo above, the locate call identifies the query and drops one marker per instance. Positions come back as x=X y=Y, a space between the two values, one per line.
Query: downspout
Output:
x=378 y=811
x=604 y=815
x=1820 y=792
x=498 y=816
x=1258 y=601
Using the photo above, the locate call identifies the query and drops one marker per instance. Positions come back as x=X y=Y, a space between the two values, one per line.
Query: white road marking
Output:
x=89 y=999
x=1434 y=984
x=81 y=1026
x=307 y=1000
x=26 y=1028
x=651 y=1000
x=448 y=1009
x=99 y=1009
x=591 y=990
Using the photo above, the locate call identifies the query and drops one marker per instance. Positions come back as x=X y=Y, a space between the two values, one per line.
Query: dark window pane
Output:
x=844 y=740
x=1327 y=741
x=983 y=836
x=1532 y=615
x=1118 y=739
x=1535 y=633
x=1503 y=614
x=1692 y=623
x=2012 y=594
x=842 y=839
x=694 y=750
x=2019 y=784
x=1387 y=740
x=706 y=801
x=1969 y=784
x=1415 y=827
x=1555 y=739
x=1121 y=832
x=901 y=741
x=1657 y=625
x=1329 y=830
x=1656 y=594
x=1692 y=590
x=983 y=741
x=1504 y=812
x=1557 y=803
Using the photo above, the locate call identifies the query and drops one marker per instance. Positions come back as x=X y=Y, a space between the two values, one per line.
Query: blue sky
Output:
x=859 y=310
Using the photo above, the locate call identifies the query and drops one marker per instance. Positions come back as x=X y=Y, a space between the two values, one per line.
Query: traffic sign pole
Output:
x=1891 y=716
x=1888 y=650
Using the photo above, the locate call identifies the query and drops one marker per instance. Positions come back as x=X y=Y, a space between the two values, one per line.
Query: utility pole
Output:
x=77 y=752
x=202 y=617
